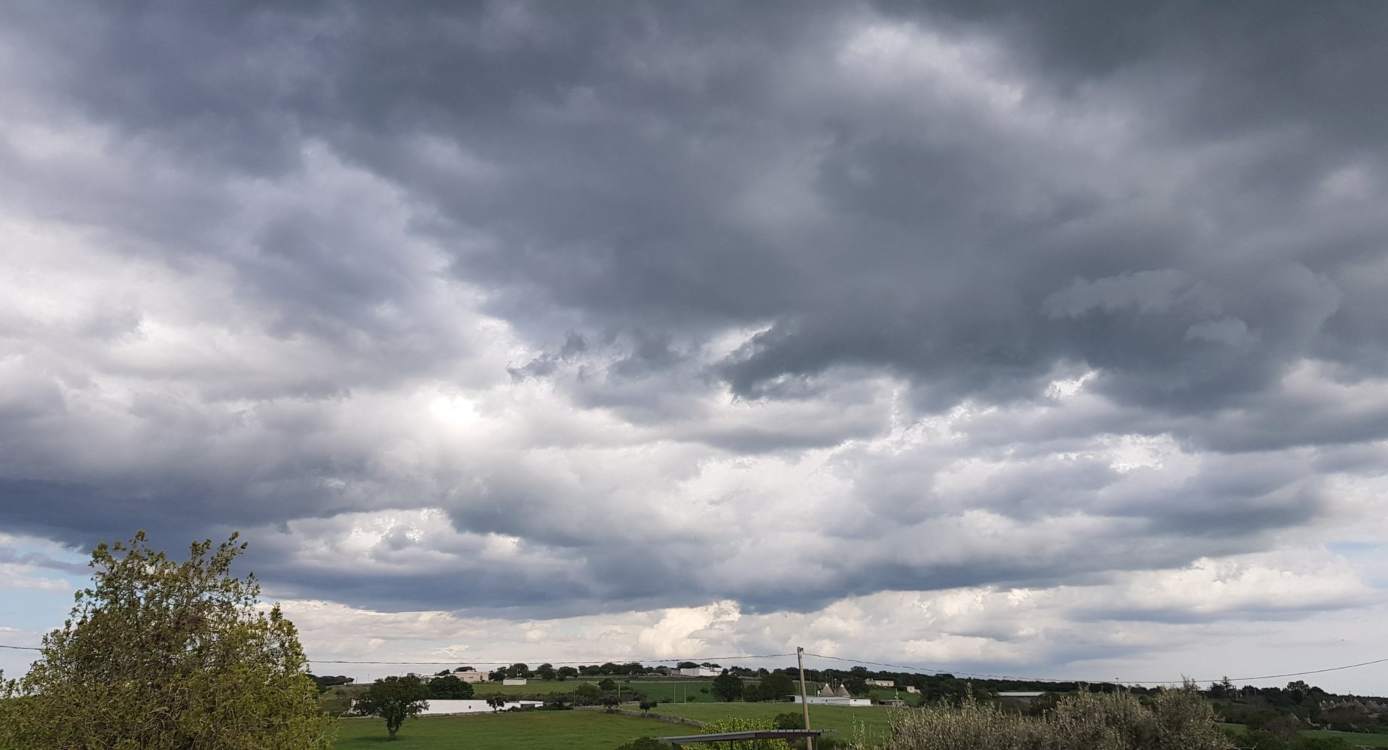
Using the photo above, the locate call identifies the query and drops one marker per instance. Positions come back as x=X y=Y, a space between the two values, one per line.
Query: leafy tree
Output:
x=518 y=670
x=449 y=687
x=607 y=683
x=394 y=699
x=326 y=681
x=497 y=702
x=587 y=693
x=565 y=673
x=159 y=654
x=727 y=686
x=545 y=672
x=776 y=686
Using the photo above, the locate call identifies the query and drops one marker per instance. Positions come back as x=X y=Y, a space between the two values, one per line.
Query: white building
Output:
x=912 y=689
x=834 y=700
x=700 y=672
x=470 y=676
x=513 y=681
x=472 y=706
x=881 y=683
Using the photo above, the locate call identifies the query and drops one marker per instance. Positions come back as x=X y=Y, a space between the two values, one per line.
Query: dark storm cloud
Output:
x=972 y=200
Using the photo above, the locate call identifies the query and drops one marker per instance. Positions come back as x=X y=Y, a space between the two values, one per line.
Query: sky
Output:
x=973 y=336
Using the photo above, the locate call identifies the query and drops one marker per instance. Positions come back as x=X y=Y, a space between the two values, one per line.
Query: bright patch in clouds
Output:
x=932 y=336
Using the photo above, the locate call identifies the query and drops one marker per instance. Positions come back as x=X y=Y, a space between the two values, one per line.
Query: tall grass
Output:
x=1170 y=720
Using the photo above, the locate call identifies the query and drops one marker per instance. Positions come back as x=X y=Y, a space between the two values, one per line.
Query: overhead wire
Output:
x=847 y=660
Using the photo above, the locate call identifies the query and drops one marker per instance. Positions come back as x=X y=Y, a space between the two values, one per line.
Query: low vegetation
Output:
x=1169 y=720
x=159 y=654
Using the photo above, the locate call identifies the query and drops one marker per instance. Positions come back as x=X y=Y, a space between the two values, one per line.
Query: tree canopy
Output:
x=727 y=686
x=394 y=699
x=162 y=654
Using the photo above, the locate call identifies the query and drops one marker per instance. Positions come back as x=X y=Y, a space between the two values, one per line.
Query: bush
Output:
x=1171 y=720
x=742 y=725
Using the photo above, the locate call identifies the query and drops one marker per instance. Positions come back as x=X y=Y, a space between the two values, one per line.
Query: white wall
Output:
x=440 y=707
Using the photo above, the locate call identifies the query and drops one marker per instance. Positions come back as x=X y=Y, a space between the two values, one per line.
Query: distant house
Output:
x=834 y=700
x=881 y=683
x=1020 y=696
x=699 y=672
x=470 y=676
x=513 y=681
x=912 y=689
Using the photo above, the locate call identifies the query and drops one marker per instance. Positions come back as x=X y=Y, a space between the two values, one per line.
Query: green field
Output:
x=1355 y=739
x=844 y=721
x=528 y=730
x=1362 y=739
x=665 y=691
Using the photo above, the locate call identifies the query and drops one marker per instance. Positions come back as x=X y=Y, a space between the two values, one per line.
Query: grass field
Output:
x=665 y=691
x=529 y=730
x=1353 y=738
x=844 y=721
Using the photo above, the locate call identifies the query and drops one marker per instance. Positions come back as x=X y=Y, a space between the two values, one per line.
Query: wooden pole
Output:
x=804 y=699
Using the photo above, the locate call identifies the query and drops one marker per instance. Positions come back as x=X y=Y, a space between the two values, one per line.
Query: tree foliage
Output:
x=741 y=724
x=449 y=687
x=162 y=654
x=1169 y=720
x=727 y=686
x=394 y=699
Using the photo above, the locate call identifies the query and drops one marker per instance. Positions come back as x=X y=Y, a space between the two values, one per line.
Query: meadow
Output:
x=843 y=721
x=1354 y=739
x=1357 y=739
x=664 y=691
x=582 y=730
x=528 y=730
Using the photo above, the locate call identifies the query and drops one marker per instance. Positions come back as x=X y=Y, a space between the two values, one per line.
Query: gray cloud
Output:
x=771 y=300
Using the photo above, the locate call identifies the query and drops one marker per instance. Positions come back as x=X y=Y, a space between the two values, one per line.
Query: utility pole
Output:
x=804 y=700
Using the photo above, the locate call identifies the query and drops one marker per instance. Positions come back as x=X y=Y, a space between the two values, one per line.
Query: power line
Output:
x=864 y=662
x=1016 y=678
x=625 y=659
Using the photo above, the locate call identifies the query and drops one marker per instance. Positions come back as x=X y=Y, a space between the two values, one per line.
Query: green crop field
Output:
x=1354 y=739
x=532 y=687
x=1358 y=739
x=526 y=730
x=665 y=691
x=844 y=721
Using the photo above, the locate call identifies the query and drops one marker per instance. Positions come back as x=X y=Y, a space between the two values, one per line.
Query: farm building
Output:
x=881 y=683
x=470 y=676
x=833 y=700
x=513 y=681
x=699 y=672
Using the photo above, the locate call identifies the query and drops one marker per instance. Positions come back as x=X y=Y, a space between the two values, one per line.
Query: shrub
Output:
x=1171 y=720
